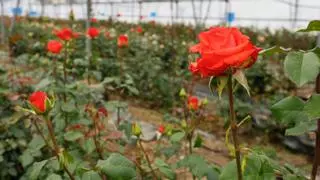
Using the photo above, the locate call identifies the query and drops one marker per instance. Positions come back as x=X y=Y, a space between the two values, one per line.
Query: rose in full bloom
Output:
x=38 y=101
x=161 y=129
x=123 y=41
x=65 y=34
x=223 y=48
x=54 y=46
x=193 y=103
x=93 y=32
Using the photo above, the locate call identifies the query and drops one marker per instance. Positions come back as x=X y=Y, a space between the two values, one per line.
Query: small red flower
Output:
x=65 y=34
x=94 y=20
x=76 y=34
x=103 y=111
x=139 y=29
x=153 y=22
x=93 y=32
x=54 y=46
x=119 y=14
x=161 y=129
x=38 y=101
x=76 y=127
x=193 y=103
x=123 y=41
x=141 y=17
x=108 y=35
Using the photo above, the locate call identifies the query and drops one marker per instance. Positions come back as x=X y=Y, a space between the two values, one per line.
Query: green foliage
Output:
x=117 y=167
x=165 y=169
x=302 y=67
x=312 y=26
x=290 y=112
x=36 y=168
x=198 y=167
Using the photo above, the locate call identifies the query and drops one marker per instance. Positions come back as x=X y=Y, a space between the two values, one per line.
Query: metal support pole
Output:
x=177 y=9
x=140 y=10
x=88 y=40
x=296 y=12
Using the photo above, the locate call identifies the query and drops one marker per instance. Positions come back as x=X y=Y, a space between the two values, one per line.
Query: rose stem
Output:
x=65 y=79
x=90 y=64
x=148 y=160
x=316 y=160
x=234 y=126
x=40 y=132
x=56 y=146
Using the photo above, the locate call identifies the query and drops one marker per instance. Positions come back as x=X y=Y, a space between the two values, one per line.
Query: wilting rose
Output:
x=93 y=32
x=123 y=41
x=54 y=46
x=193 y=103
x=38 y=101
x=223 y=48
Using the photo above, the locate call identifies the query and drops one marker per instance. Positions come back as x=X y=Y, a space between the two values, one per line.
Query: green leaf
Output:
x=68 y=107
x=117 y=167
x=274 y=49
x=312 y=26
x=229 y=172
x=89 y=145
x=91 y=175
x=42 y=84
x=177 y=137
x=37 y=143
x=198 y=142
x=73 y=135
x=26 y=158
x=242 y=80
x=301 y=67
x=54 y=177
x=36 y=169
x=301 y=128
x=196 y=164
x=312 y=107
x=222 y=82
x=289 y=110
x=165 y=169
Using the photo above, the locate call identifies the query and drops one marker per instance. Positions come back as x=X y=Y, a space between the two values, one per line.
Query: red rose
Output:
x=93 y=32
x=139 y=29
x=76 y=34
x=123 y=41
x=65 y=34
x=38 y=101
x=103 y=111
x=222 y=48
x=93 y=20
x=54 y=46
x=161 y=129
x=193 y=103
x=108 y=35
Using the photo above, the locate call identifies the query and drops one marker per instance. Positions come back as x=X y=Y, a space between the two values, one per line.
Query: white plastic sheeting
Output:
x=258 y=13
